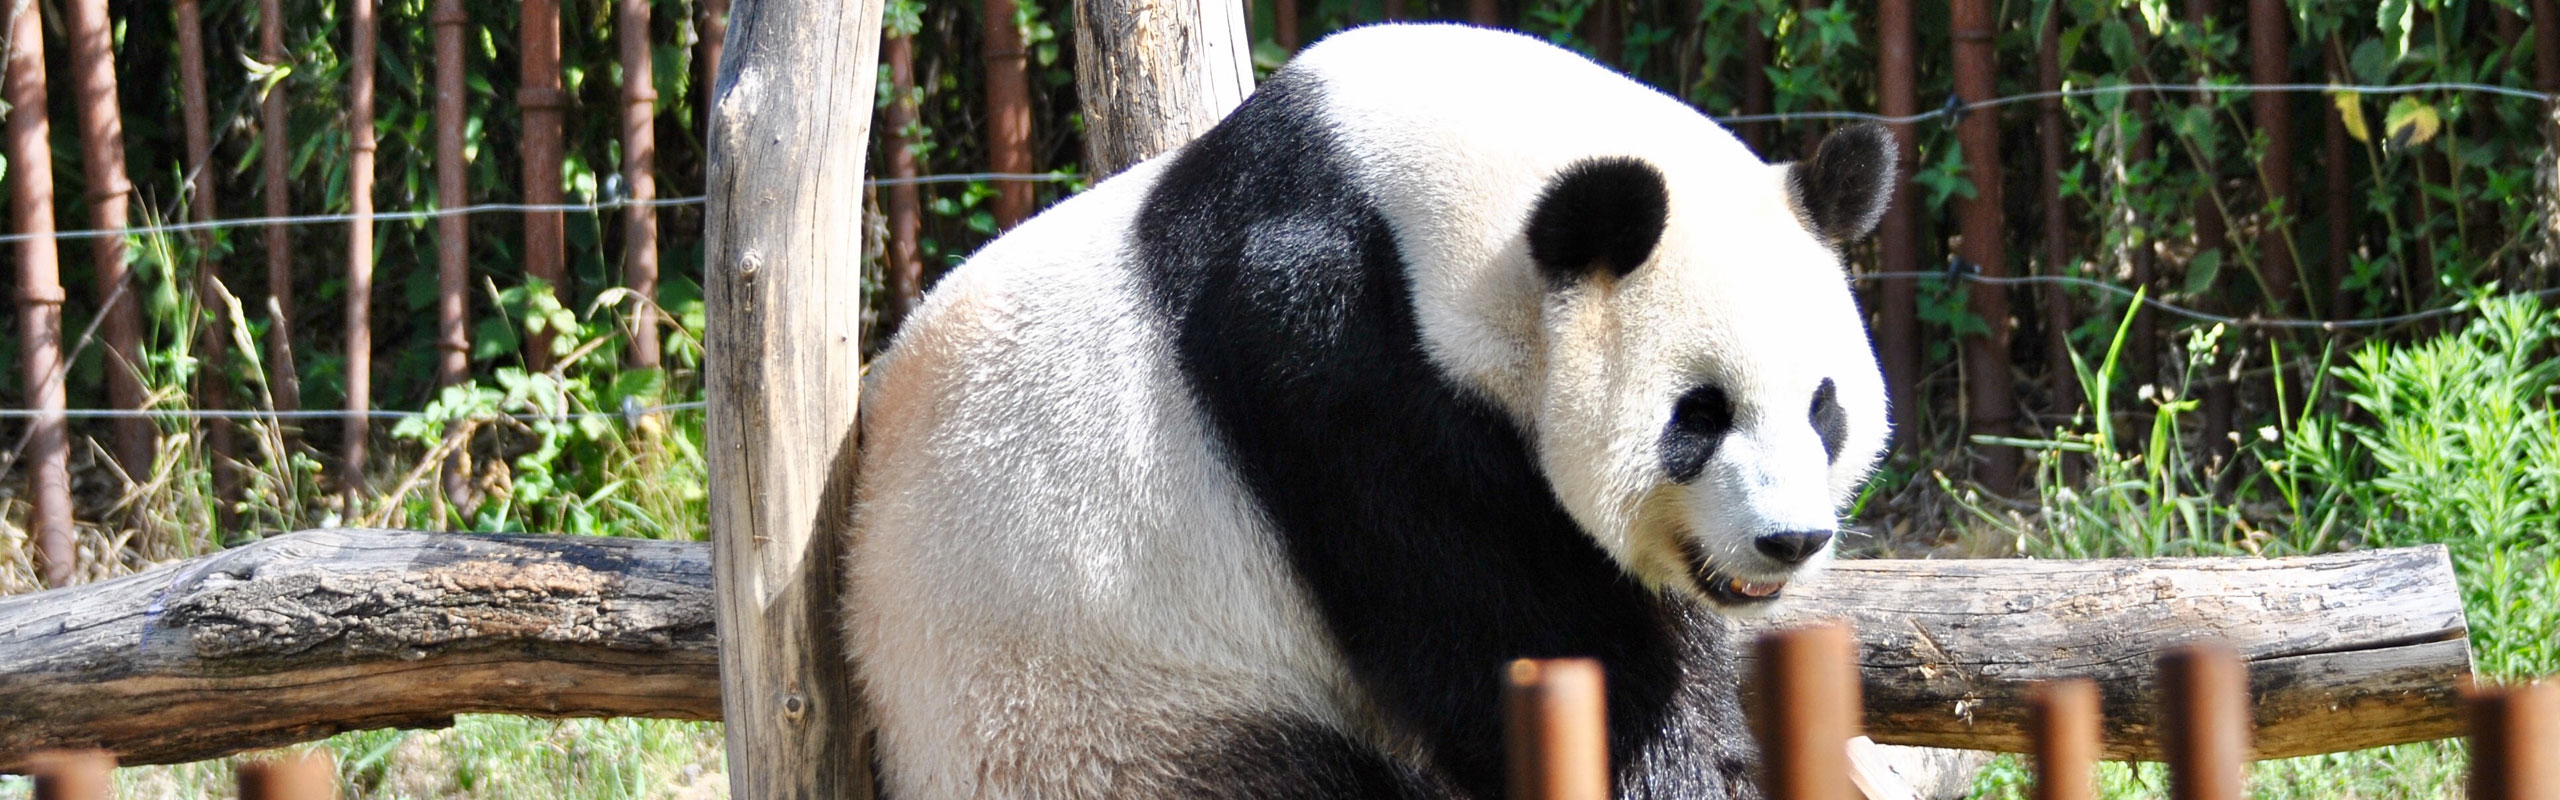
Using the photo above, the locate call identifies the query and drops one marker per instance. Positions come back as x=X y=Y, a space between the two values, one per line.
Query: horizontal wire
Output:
x=1953 y=108
x=492 y=208
x=2201 y=316
x=193 y=413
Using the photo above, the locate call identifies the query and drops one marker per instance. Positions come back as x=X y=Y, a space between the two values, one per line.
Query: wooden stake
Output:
x=1556 y=729
x=2515 y=742
x=543 y=103
x=73 y=774
x=91 y=36
x=2062 y=720
x=309 y=775
x=360 y=146
x=1804 y=701
x=782 y=355
x=40 y=298
x=2204 y=722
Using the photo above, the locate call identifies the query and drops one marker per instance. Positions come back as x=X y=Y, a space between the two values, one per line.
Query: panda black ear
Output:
x=1599 y=214
x=1841 y=192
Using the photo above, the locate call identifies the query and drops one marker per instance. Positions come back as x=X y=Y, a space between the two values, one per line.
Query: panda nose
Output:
x=1792 y=547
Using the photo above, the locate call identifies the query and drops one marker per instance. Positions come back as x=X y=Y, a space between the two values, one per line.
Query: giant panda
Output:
x=1242 y=473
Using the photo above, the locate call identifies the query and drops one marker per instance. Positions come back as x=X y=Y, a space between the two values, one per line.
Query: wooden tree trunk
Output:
x=783 y=256
x=1991 y=408
x=40 y=297
x=336 y=630
x=90 y=33
x=298 y=637
x=1151 y=76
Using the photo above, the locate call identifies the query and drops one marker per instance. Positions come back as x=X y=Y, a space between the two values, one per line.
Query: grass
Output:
x=2454 y=440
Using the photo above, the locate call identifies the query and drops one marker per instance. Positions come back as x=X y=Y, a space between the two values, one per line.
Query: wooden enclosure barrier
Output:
x=339 y=630
x=1555 y=716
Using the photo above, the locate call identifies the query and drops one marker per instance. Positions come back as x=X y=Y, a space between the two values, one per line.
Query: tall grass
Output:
x=2453 y=440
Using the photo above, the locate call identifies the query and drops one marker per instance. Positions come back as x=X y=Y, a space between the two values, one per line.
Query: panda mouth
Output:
x=1727 y=590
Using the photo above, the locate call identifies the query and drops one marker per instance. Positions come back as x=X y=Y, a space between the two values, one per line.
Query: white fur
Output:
x=1738 y=291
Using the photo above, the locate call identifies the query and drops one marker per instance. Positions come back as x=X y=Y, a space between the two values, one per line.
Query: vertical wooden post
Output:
x=1394 y=10
x=2204 y=722
x=90 y=34
x=2062 y=721
x=2220 y=398
x=2057 y=248
x=2515 y=741
x=639 y=165
x=714 y=34
x=284 y=382
x=1008 y=112
x=1151 y=76
x=1487 y=13
x=1556 y=729
x=1898 y=238
x=213 y=389
x=360 y=147
x=540 y=99
x=1608 y=33
x=453 y=231
x=783 y=261
x=39 y=298
x=2270 y=48
x=306 y=776
x=72 y=774
x=1991 y=408
x=905 y=270
x=1805 y=705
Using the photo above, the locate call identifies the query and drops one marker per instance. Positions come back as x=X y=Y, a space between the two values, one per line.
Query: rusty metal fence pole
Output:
x=213 y=388
x=453 y=231
x=542 y=102
x=639 y=163
x=39 y=298
x=72 y=774
x=2062 y=720
x=91 y=37
x=904 y=278
x=1556 y=729
x=2515 y=742
x=1009 y=111
x=1804 y=703
x=2204 y=722
x=1991 y=405
x=284 y=383
x=360 y=146
x=1898 y=237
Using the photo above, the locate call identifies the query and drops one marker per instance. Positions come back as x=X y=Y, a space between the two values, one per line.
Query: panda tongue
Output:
x=1749 y=589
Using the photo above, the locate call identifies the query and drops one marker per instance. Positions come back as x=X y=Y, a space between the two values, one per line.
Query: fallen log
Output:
x=298 y=637
x=302 y=636
x=2345 y=651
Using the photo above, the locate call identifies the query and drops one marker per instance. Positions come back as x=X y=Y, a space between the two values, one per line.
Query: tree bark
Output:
x=336 y=630
x=2345 y=651
x=783 y=254
x=1153 y=76
x=298 y=637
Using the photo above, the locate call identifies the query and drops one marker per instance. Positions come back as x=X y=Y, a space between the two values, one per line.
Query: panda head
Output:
x=1705 y=398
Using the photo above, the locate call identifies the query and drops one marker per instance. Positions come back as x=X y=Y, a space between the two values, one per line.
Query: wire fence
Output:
x=1954 y=109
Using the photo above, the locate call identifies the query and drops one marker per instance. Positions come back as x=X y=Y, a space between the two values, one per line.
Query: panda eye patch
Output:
x=1829 y=420
x=1699 y=421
